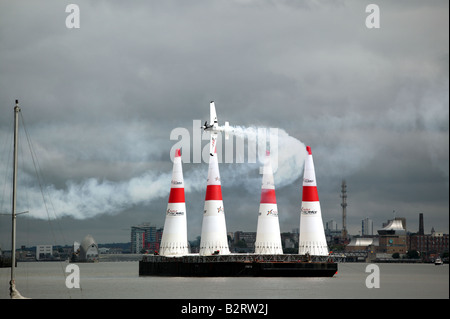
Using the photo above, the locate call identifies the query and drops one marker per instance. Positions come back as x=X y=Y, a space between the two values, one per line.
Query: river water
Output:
x=120 y=280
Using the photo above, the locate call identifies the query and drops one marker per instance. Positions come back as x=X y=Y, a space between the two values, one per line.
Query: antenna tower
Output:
x=344 y=209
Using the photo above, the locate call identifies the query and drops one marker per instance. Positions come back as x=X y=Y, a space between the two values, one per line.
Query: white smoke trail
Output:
x=287 y=153
x=95 y=197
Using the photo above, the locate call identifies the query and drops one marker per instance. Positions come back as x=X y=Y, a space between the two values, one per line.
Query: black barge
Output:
x=237 y=265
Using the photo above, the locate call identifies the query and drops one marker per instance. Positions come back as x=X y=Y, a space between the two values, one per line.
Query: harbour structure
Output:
x=87 y=251
x=174 y=238
x=268 y=238
x=236 y=265
x=312 y=239
x=214 y=238
x=212 y=262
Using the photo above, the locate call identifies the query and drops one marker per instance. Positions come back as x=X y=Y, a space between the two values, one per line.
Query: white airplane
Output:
x=214 y=128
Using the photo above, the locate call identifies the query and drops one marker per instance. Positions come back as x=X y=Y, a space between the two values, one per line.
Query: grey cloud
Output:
x=101 y=101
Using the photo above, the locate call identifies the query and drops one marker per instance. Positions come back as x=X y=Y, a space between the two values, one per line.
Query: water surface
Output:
x=120 y=280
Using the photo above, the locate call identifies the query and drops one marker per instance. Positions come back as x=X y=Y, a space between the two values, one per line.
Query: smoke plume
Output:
x=92 y=197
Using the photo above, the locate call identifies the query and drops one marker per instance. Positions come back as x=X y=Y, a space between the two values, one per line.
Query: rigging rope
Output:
x=47 y=202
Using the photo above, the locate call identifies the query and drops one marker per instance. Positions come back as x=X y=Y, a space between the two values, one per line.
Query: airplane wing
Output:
x=212 y=144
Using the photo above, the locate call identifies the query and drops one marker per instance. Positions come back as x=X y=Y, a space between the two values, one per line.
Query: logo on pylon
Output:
x=272 y=212
x=307 y=211
x=174 y=212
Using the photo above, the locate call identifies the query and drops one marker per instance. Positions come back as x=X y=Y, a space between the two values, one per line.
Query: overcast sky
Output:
x=100 y=102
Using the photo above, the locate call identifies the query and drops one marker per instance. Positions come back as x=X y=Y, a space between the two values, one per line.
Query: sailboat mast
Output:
x=13 y=231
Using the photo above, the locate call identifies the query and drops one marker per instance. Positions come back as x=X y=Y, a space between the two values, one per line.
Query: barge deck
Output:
x=237 y=265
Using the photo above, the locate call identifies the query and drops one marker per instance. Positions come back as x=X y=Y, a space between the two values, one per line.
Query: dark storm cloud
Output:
x=101 y=101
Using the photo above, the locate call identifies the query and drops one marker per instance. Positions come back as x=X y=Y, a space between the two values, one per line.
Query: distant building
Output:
x=392 y=237
x=289 y=243
x=145 y=237
x=402 y=220
x=88 y=250
x=44 y=252
x=244 y=241
x=363 y=244
x=137 y=239
x=290 y=240
x=332 y=233
x=103 y=250
x=429 y=245
x=76 y=247
x=331 y=225
x=421 y=227
x=367 y=227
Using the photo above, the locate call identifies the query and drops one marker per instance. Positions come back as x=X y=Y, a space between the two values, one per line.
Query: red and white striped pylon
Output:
x=214 y=238
x=268 y=238
x=174 y=239
x=312 y=239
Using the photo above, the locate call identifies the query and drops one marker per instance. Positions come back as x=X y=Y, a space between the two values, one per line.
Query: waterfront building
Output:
x=137 y=239
x=367 y=227
x=244 y=241
x=332 y=233
x=88 y=249
x=331 y=226
x=44 y=252
x=428 y=244
x=145 y=237
x=363 y=244
x=392 y=237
